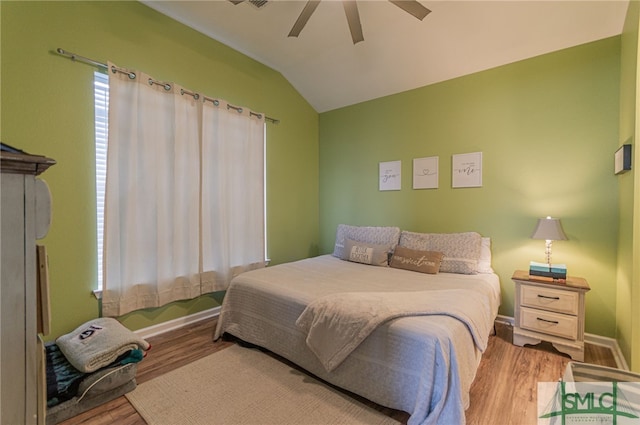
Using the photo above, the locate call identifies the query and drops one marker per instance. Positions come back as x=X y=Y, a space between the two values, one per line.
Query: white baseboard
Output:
x=611 y=344
x=603 y=341
x=505 y=320
x=177 y=323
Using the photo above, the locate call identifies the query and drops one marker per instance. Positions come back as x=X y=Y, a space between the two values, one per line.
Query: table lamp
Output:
x=550 y=230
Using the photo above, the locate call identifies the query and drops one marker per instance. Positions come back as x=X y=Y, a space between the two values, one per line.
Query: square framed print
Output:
x=390 y=177
x=425 y=173
x=466 y=170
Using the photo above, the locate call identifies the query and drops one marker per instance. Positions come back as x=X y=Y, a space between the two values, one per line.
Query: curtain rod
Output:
x=83 y=59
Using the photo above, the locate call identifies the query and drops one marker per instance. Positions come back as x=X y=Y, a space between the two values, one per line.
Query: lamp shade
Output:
x=549 y=229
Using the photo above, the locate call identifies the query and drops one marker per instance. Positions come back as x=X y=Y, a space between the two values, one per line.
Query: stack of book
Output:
x=553 y=271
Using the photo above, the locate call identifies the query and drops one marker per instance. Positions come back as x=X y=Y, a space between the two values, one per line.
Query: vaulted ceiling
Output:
x=399 y=52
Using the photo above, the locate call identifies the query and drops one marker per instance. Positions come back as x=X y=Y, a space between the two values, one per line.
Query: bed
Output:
x=421 y=363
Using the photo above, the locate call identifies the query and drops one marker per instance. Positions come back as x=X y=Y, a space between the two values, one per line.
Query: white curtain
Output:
x=232 y=193
x=162 y=224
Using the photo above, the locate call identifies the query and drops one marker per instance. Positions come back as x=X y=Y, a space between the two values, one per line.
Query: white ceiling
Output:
x=399 y=52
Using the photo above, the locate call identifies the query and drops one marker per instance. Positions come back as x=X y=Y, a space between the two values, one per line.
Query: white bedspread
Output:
x=423 y=365
x=336 y=324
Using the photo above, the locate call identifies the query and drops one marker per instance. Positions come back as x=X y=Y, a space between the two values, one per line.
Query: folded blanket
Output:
x=63 y=380
x=98 y=343
x=336 y=324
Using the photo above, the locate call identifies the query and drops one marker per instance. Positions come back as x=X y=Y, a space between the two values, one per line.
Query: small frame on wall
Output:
x=466 y=170
x=390 y=175
x=622 y=159
x=425 y=173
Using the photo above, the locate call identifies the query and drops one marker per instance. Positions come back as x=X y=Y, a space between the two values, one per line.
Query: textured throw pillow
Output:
x=413 y=240
x=371 y=235
x=365 y=253
x=461 y=250
x=417 y=261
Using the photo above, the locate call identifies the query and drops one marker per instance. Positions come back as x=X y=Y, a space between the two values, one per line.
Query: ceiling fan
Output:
x=412 y=7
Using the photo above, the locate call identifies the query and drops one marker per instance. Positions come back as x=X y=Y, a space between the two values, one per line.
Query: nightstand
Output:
x=550 y=311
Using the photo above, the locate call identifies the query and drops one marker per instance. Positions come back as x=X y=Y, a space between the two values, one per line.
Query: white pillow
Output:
x=484 y=262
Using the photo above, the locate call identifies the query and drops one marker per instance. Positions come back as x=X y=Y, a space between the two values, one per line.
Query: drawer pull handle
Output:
x=549 y=298
x=555 y=322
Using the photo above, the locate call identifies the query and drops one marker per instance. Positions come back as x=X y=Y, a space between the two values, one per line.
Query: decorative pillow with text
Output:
x=415 y=260
x=365 y=253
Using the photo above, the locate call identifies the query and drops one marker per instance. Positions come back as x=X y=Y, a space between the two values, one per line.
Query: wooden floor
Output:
x=504 y=390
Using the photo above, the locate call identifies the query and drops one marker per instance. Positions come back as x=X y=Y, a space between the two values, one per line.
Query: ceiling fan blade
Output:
x=412 y=7
x=306 y=13
x=353 y=18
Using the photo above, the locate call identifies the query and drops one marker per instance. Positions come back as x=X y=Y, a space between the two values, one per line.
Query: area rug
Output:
x=244 y=386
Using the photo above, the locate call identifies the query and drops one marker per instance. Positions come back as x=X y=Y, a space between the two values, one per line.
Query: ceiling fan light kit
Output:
x=255 y=3
x=413 y=7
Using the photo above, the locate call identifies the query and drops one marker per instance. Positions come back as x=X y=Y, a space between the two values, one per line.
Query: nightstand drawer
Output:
x=549 y=323
x=549 y=299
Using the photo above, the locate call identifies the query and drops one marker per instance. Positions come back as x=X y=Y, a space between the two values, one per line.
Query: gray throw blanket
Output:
x=336 y=324
x=98 y=343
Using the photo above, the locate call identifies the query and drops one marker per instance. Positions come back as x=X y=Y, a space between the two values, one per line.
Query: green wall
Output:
x=547 y=128
x=626 y=276
x=47 y=109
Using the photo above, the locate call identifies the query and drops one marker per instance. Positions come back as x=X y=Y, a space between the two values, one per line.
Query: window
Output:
x=101 y=104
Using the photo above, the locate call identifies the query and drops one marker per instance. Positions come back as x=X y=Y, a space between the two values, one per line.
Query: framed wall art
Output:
x=622 y=160
x=425 y=173
x=466 y=170
x=390 y=175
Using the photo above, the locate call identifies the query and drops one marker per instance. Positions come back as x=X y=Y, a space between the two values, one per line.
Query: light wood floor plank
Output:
x=503 y=392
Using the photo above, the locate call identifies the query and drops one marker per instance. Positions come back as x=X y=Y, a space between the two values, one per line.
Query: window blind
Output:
x=101 y=105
